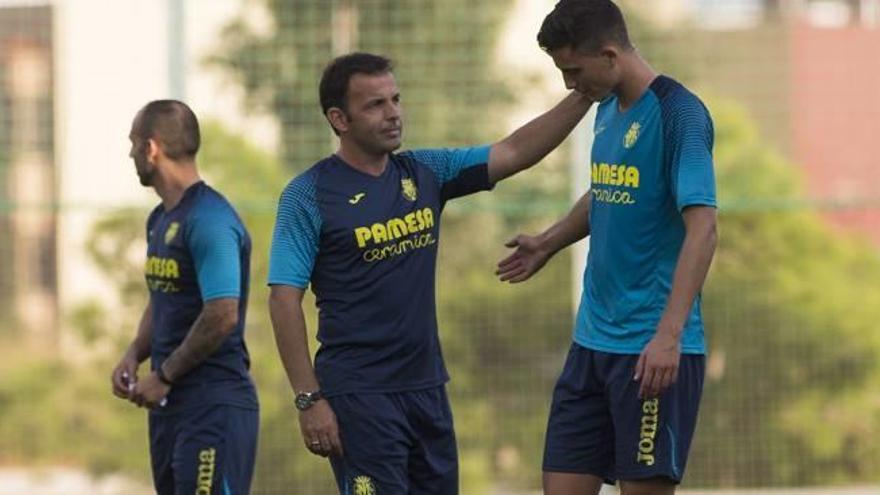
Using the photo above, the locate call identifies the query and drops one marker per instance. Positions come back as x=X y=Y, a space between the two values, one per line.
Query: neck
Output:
x=367 y=162
x=171 y=186
x=636 y=78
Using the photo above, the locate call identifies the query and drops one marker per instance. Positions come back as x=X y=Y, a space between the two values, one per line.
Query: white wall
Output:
x=109 y=60
x=111 y=57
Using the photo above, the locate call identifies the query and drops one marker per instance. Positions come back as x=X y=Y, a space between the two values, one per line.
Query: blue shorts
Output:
x=399 y=442
x=207 y=450
x=599 y=426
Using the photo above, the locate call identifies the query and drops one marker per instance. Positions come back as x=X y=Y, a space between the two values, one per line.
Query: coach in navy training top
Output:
x=368 y=245
x=203 y=405
x=362 y=227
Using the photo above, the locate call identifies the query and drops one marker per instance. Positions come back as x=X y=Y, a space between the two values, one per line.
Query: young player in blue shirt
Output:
x=625 y=406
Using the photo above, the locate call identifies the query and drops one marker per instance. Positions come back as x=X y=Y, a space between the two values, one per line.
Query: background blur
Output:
x=792 y=397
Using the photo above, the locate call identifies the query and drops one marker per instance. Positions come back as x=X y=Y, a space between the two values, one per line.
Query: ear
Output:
x=611 y=55
x=154 y=149
x=338 y=119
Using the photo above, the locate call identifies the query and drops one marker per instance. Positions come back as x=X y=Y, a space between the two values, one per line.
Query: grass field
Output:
x=68 y=481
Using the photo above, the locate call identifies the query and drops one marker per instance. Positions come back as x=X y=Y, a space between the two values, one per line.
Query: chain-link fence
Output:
x=792 y=396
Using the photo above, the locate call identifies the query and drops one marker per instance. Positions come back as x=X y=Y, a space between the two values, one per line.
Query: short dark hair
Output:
x=333 y=89
x=584 y=25
x=173 y=124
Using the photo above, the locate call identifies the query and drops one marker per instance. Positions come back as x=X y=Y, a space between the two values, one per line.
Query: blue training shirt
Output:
x=199 y=251
x=648 y=164
x=368 y=246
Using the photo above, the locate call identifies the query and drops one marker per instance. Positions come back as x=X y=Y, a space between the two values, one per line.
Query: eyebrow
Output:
x=376 y=99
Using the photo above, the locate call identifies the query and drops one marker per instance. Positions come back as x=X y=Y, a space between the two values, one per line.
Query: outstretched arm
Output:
x=532 y=252
x=530 y=143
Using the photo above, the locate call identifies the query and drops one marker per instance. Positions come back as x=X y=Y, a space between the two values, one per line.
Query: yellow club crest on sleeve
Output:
x=632 y=135
x=171 y=232
x=363 y=485
x=408 y=187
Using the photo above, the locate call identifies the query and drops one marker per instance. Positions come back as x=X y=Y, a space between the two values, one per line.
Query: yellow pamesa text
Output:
x=614 y=175
x=162 y=267
x=395 y=228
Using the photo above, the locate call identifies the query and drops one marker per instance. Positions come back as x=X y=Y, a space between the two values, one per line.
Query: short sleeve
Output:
x=214 y=239
x=295 y=239
x=459 y=171
x=689 y=137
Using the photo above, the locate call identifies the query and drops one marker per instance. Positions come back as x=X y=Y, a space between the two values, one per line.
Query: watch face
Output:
x=303 y=401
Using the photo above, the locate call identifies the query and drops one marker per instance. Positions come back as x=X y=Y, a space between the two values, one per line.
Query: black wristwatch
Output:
x=305 y=400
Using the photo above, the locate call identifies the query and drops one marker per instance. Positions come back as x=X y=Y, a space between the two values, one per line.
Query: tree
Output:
x=442 y=52
x=793 y=361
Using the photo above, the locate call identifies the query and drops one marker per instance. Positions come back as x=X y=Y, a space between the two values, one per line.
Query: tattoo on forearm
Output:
x=206 y=335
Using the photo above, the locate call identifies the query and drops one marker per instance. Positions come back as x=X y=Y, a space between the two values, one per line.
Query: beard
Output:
x=377 y=144
x=145 y=170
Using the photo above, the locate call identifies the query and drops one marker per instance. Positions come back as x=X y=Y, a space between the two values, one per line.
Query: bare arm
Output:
x=125 y=372
x=289 y=324
x=140 y=346
x=530 y=143
x=532 y=252
x=693 y=265
x=658 y=365
x=571 y=228
x=216 y=322
x=320 y=431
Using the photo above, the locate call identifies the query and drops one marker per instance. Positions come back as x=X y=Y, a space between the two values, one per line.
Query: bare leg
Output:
x=656 y=486
x=571 y=484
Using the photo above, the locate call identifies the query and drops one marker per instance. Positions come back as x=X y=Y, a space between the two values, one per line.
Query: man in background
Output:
x=203 y=418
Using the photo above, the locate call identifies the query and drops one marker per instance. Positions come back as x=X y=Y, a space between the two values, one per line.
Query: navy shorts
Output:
x=399 y=442
x=599 y=426
x=207 y=450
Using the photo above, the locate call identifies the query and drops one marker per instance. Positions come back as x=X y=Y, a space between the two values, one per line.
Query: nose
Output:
x=392 y=111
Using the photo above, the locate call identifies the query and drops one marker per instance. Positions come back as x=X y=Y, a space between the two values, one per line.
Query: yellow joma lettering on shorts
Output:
x=615 y=175
x=207 y=459
x=648 y=432
x=162 y=267
x=395 y=228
